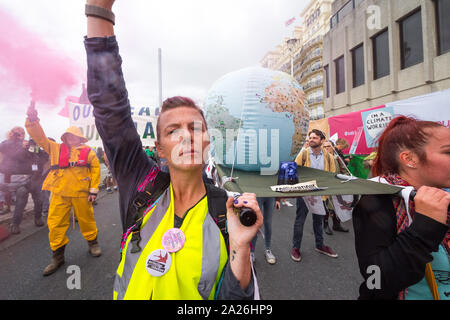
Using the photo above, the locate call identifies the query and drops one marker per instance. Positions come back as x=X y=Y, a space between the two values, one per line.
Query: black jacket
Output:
x=18 y=160
x=401 y=258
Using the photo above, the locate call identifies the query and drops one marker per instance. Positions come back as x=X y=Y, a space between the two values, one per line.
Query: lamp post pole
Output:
x=291 y=46
x=160 y=75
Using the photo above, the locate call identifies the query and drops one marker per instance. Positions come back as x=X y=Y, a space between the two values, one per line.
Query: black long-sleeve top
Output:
x=402 y=257
x=18 y=160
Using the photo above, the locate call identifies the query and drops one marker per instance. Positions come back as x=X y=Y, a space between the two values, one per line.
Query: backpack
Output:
x=217 y=199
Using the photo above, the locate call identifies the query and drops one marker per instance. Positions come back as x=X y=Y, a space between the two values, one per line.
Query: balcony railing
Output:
x=312 y=69
x=311 y=56
x=308 y=46
x=313 y=84
x=315 y=100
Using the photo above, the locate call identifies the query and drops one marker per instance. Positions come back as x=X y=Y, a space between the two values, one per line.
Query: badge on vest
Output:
x=173 y=240
x=158 y=262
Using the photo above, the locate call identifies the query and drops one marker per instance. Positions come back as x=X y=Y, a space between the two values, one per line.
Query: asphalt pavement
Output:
x=317 y=277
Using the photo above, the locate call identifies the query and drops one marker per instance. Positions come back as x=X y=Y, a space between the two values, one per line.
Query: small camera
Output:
x=247 y=216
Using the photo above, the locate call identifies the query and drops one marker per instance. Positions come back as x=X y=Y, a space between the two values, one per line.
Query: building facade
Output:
x=280 y=58
x=379 y=51
x=306 y=54
x=308 y=65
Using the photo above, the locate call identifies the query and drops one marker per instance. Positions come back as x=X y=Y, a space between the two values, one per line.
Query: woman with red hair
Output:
x=403 y=246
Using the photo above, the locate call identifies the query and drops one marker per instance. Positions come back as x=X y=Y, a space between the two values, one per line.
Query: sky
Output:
x=201 y=40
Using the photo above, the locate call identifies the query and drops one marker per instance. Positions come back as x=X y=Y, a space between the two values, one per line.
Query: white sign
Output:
x=343 y=207
x=315 y=205
x=81 y=115
x=356 y=140
x=375 y=122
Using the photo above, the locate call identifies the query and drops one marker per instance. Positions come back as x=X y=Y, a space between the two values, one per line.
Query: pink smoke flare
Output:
x=30 y=63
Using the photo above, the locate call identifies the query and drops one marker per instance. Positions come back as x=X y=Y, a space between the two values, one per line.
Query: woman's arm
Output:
x=241 y=236
x=401 y=258
x=98 y=27
x=108 y=94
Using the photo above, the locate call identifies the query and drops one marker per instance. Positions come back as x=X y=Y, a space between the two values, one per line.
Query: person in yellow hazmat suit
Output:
x=73 y=181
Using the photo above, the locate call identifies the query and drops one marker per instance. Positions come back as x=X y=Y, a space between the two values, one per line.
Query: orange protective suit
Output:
x=70 y=188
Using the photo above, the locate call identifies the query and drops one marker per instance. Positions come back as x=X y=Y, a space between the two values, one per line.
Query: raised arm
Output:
x=98 y=27
x=107 y=93
x=36 y=132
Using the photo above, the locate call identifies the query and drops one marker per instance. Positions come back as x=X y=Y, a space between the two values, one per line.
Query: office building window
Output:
x=345 y=10
x=411 y=44
x=327 y=80
x=443 y=25
x=380 y=44
x=358 y=66
x=334 y=21
x=340 y=75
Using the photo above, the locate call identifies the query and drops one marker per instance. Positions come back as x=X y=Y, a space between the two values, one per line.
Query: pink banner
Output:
x=346 y=127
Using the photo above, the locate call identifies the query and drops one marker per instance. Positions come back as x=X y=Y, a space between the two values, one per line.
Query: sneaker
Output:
x=109 y=190
x=14 y=229
x=327 y=251
x=270 y=258
x=287 y=203
x=295 y=254
x=327 y=229
x=115 y=188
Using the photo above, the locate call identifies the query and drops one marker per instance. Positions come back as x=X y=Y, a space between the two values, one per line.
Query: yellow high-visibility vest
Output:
x=195 y=270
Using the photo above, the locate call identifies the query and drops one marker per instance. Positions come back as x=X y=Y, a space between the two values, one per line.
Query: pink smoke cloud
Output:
x=30 y=63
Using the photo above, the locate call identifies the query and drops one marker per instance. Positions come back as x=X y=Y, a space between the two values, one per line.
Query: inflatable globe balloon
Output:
x=257 y=119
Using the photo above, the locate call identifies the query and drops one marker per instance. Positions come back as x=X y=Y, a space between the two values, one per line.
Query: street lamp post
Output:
x=291 y=47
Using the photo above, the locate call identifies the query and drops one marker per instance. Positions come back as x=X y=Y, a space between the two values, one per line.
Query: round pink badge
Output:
x=173 y=240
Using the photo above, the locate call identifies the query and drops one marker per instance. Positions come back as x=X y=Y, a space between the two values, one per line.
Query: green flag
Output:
x=254 y=182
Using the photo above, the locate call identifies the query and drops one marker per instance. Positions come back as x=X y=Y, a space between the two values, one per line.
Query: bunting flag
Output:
x=290 y=21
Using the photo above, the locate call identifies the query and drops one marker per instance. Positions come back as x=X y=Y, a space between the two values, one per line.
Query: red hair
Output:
x=401 y=133
x=177 y=102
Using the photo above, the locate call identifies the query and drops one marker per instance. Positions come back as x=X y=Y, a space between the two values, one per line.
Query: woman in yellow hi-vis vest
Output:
x=73 y=181
x=174 y=246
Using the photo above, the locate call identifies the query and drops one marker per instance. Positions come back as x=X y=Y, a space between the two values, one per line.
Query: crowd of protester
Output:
x=407 y=238
x=409 y=242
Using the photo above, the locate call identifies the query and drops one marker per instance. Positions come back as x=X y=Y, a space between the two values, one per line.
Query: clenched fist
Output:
x=433 y=202
x=32 y=112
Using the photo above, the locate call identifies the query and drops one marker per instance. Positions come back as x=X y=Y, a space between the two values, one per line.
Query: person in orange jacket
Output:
x=73 y=180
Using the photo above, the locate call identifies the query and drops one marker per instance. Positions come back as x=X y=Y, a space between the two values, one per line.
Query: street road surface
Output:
x=315 y=277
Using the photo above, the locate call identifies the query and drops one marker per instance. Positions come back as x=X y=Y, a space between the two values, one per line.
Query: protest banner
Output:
x=429 y=107
x=346 y=126
x=81 y=115
x=375 y=122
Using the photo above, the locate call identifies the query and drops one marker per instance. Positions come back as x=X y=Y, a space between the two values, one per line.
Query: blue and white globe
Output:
x=257 y=119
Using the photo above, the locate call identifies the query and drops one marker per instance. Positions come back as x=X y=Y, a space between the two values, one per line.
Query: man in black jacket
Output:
x=24 y=162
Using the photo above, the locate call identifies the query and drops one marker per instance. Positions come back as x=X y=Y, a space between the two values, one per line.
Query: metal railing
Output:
x=313 y=84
